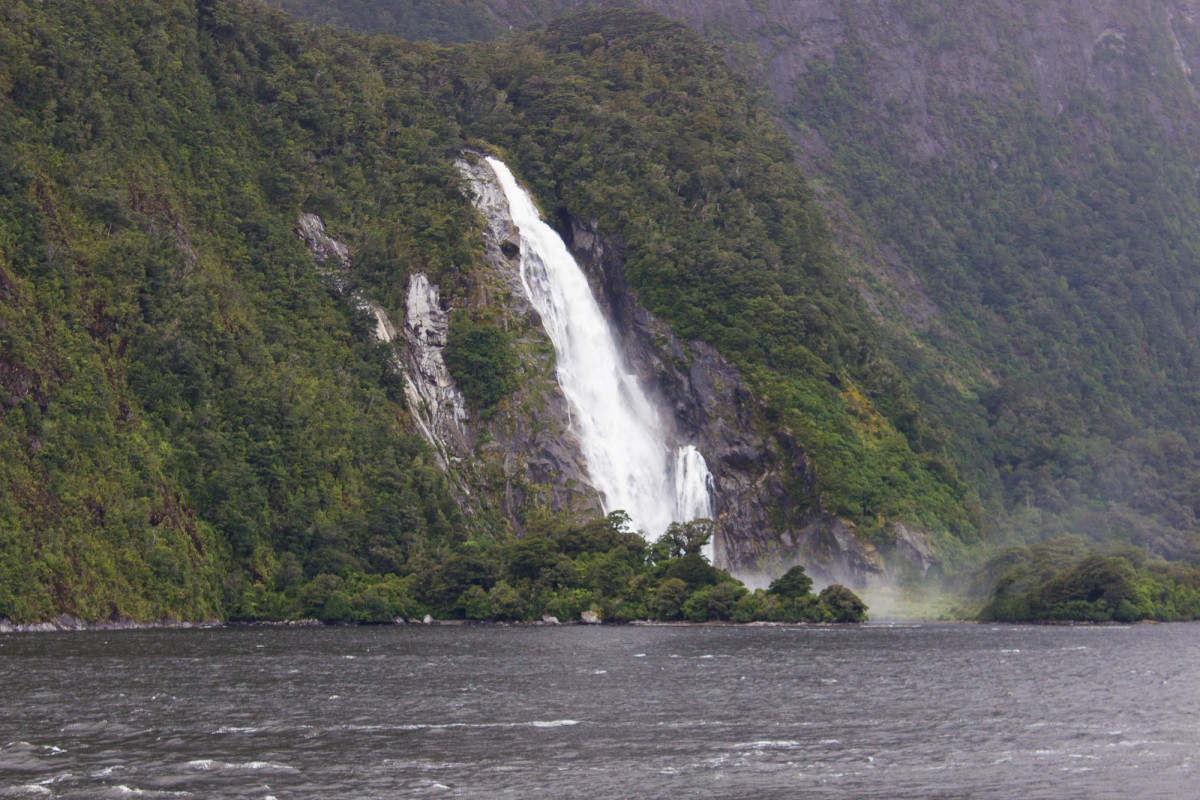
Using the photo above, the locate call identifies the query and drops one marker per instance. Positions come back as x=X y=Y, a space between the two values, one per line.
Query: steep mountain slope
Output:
x=187 y=410
x=1035 y=164
x=1018 y=188
x=1035 y=167
x=199 y=417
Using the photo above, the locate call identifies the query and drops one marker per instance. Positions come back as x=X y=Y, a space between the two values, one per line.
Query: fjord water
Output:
x=948 y=711
x=619 y=428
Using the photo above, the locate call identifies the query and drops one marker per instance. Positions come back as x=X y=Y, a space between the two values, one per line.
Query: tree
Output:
x=842 y=604
x=792 y=584
x=693 y=570
x=668 y=600
x=684 y=538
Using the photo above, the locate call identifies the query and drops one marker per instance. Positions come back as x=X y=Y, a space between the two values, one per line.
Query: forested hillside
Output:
x=187 y=408
x=196 y=423
x=975 y=321
x=1044 y=190
x=1017 y=190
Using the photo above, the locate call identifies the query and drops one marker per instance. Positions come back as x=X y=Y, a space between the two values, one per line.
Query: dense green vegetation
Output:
x=632 y=120
x=1047 y=203
x=1060 y=580
x=1059 y=240
x=195 y=424
x=437 y=20
x=187 y=409
x=482 y=360
x=560 y=568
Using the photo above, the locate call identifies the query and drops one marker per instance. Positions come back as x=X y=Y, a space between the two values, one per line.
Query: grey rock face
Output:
x=913 y=550
x=436 y=402
x=714 y=409
x=531 y=438
x=433 y=397
x=332 y=255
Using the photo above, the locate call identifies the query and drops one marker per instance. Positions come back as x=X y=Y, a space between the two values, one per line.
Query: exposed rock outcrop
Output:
x=332 y=255
x=532 y=439
x=69 y=622
x=436 y=402
x=433 y=397
x=761 y=530
x=913 y=550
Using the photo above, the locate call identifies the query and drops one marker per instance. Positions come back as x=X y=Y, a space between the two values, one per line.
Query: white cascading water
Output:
x=623 y=441
x=693 y=490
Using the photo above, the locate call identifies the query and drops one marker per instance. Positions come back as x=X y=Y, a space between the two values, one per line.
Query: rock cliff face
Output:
x=435 y=400
x=760 y=531
x=530 y=440
x=1029 y=154
x=709 y=405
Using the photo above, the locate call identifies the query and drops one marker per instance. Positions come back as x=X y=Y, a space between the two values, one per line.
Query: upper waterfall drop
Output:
x=621 y=433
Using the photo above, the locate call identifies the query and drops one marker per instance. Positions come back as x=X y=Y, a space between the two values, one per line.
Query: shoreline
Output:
x=67 y=623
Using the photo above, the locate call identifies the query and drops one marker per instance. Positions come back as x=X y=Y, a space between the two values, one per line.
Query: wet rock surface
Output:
x=714 y=409
x=532 y=438
x=433 y=397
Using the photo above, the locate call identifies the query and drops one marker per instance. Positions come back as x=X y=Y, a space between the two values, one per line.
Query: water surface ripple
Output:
x=946 y=711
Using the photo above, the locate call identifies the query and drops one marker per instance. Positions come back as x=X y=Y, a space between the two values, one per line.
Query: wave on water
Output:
x=437 y=726
x=209 y=764
x=129 y=791
x=768 y=744
x=43 y=789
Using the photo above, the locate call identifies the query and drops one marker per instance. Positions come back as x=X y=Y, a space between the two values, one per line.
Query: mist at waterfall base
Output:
x=621 y=433
x=596 y=712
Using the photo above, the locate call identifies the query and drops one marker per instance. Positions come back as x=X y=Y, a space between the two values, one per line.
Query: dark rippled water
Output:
x=610 y=712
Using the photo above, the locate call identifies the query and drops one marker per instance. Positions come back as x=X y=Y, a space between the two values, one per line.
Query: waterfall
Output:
x=693 y=489
x=623 y=441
